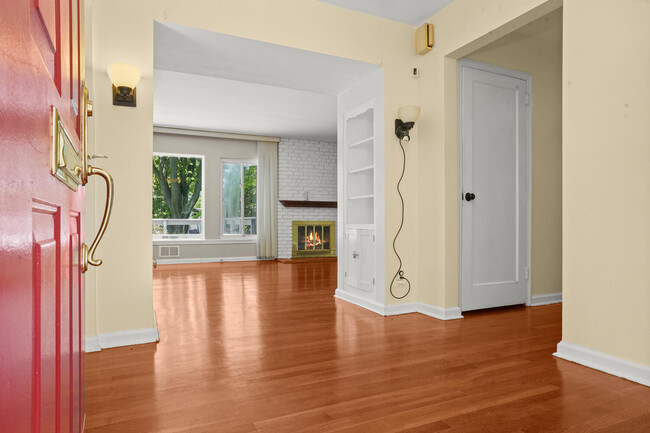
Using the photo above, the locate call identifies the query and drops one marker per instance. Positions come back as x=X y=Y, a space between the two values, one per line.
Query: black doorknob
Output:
x=470 y=196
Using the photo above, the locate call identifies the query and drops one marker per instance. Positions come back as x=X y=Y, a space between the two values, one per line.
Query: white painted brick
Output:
x=304 y=165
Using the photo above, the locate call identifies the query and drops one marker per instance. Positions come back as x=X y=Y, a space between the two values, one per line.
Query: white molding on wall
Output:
x=373 y=306
x=92 y=344
x=440 y=313
x=128 y=337
x=397 y=309
x=546 y=299
x=604 y=362
x=162 y=129
x=175 y=242
x=206 y=260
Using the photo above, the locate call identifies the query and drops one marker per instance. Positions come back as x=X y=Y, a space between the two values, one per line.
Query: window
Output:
x=177 y=196
x=239 y=198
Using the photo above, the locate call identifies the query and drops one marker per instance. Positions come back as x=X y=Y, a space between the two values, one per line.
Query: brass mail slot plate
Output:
x=66 y=162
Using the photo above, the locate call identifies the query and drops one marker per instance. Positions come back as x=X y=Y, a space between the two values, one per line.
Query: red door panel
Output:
x=41 y=219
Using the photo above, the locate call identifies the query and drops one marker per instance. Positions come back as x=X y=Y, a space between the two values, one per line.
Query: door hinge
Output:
x=527 y=97
x=526 y=272
x=373 y=238
x=373 y=281
x=346 y=273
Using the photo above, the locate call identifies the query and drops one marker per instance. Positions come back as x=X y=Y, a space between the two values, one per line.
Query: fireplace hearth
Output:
x=313 y=239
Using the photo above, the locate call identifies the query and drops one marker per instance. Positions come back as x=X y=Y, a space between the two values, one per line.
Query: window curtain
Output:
x=267 y=200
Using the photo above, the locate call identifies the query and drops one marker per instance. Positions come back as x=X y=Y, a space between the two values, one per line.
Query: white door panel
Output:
x=351 y=262
x=366 y=259
x=494 y=123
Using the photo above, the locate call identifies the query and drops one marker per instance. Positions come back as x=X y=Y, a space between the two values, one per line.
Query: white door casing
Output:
x=495 y=142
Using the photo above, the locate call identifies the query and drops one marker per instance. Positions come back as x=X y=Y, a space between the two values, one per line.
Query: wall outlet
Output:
x=415 y=71
x=400 y=282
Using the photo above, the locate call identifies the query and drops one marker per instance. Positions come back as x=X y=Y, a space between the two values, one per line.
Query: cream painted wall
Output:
x=536 y=49
x=606 y=172
x=124 y=282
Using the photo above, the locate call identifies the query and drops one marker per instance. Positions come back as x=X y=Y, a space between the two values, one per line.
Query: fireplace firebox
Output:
x=313 y=239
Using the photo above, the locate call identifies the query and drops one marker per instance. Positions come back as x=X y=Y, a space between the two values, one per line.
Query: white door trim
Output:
x=467 y=63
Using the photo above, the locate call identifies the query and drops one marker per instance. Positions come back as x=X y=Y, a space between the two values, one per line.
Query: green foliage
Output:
x=177 y=187
x=232 y=196
x=250 y=196
x=250 y=190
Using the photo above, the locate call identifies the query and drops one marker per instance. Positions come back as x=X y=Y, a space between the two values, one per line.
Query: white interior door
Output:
x=495 y=157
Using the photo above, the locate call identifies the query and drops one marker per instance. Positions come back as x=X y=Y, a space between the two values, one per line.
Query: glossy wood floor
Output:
x=264 y=347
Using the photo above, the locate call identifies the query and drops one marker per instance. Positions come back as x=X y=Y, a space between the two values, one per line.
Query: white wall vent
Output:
x=169 y=251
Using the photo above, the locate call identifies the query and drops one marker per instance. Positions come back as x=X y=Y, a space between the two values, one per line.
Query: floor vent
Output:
x=169 y=251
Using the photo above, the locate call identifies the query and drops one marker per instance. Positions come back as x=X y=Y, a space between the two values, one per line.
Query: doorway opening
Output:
x=216 y=98
x=534 y=50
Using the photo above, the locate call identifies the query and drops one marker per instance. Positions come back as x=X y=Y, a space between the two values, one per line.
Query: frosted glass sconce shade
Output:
x=124 y=78
x=409 y=114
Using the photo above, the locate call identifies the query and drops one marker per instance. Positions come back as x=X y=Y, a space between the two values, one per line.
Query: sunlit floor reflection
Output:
x=265 y=347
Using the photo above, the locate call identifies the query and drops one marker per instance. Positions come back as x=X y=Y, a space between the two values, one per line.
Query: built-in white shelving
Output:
x=368 y=141
x=361 y=197
x=360 y=166
x=361 y=226
x=363 y=170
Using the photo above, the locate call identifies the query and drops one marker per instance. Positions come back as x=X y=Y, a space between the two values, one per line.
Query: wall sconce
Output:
x=407 y=116
x=124 y=78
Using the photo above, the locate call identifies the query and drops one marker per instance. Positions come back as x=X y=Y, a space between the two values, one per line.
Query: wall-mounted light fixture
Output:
x=407 y=116
x=124 y=78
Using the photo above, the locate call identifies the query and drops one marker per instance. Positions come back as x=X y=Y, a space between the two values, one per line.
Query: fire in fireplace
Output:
x=313 y=238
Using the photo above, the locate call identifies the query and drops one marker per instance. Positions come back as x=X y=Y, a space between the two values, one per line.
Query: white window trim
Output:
x=159 y=238
x=187 y=241
x=242 y=236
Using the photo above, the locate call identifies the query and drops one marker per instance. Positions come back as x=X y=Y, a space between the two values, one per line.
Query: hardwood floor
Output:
x=264 y=347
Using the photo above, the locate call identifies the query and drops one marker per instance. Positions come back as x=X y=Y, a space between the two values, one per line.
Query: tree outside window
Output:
x=177 y=196
x=239 y=198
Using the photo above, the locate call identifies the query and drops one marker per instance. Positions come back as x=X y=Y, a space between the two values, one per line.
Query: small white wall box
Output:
x=424 y=39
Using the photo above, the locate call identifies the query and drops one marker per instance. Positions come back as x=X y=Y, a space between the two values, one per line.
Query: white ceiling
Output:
x=413 y=12
x=212 y=81
x=198 y=102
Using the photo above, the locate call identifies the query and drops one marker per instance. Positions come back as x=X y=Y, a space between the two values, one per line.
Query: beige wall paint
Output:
x=536 y=49
x=124 y=282
x=606 y=172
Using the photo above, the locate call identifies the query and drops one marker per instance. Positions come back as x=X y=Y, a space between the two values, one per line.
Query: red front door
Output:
x=41 y=218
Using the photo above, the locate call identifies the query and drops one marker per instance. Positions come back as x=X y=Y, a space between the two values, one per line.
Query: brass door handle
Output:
x=87 y=253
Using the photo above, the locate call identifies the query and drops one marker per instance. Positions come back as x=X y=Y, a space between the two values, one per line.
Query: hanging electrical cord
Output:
x=400 y=273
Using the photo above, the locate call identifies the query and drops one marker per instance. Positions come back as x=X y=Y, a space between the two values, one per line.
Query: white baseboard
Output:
x=128 y=337
x=361 y=302
x=92 y=344
x=206 y=260
x=397 y=309
x=440 y=313
x=393 y=310
x=603 y=362
x=548 y=298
